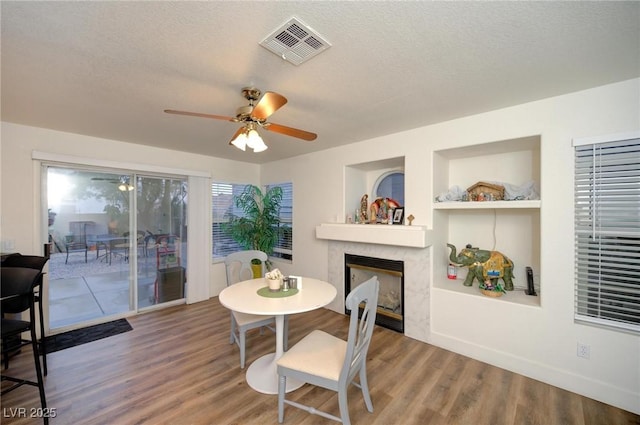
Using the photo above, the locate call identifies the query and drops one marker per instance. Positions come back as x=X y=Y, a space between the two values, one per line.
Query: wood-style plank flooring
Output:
x=177 y=367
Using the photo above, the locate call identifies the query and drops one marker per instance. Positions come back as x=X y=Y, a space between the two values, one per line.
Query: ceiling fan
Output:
x=252 y=116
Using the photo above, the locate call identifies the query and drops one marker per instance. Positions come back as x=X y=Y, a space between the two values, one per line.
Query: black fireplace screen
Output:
x=390 y=274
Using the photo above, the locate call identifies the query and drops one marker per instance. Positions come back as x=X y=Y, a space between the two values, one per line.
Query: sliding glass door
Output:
x=117 y=241
x=162 y=232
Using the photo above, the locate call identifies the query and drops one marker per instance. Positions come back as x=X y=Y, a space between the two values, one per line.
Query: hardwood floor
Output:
x=177 y=367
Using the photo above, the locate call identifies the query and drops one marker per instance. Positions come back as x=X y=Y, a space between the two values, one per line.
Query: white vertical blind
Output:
x=222 y=205
x=284 y=248
x=607 y=232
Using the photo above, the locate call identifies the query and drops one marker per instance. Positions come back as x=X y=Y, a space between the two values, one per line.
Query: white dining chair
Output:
x=238 y=268
x=327 y=361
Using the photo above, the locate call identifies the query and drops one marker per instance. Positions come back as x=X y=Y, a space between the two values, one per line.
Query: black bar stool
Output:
x=17 y=293
x=37 y=263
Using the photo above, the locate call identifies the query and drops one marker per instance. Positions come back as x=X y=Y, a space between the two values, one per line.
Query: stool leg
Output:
x=36 y=359
x=43 y=342
x=5 y=354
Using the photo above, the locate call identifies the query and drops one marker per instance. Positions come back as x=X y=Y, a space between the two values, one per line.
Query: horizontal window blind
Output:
x=222 y=206
x=607 y=232
x=284 y=248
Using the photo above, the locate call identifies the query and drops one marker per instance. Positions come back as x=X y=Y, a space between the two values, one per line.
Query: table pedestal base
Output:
x=262 y=376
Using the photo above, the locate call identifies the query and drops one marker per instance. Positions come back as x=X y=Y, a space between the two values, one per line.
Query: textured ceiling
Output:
x=109 y=69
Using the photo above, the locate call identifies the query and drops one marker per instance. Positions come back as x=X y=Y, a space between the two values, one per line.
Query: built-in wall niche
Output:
x=361 y=179
x=511 y=227
x=514 y=161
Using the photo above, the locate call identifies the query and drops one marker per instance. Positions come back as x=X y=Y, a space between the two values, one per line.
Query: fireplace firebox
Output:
x=390 y=273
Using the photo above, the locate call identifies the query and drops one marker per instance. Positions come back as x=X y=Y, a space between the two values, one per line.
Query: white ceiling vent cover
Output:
x=295 y=42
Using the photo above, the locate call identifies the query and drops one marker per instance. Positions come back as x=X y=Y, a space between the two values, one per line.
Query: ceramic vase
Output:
x=274 y=284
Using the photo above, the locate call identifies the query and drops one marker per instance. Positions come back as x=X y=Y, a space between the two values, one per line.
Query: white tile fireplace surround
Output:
x=417 y=264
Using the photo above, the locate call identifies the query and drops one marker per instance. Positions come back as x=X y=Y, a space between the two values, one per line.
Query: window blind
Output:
x=284 y=248
x=607 y=233
x=222 y=205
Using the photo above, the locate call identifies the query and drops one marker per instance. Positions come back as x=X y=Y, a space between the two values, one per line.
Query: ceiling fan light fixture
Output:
x=255 y=142
x=124 y=185
x=240 y=142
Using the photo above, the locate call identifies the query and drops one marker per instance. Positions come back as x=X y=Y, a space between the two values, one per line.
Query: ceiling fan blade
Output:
x=289 y=131
x=240 y=130
x=267 y=105
x=104 y=179
x=198 y=114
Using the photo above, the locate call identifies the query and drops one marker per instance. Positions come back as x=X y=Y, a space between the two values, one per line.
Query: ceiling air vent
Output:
x=295 y=42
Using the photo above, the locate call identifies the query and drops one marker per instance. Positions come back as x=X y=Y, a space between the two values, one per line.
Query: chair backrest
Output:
x=238 y=265
x=365 y=297
x=78 y=231
x=28 y=261
x=17 y=285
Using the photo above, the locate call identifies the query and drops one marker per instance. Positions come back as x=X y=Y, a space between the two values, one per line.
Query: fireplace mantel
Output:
x=382 y=234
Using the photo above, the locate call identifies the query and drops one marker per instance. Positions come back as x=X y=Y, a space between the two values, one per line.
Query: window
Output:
x=607 y=232
x=390 y=185
x=222 y=204
x=284 y=248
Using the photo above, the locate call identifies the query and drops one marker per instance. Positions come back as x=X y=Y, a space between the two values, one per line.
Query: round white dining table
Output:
x=262 y=374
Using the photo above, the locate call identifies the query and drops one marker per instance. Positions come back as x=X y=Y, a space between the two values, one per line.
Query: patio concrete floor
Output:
x=99 y=292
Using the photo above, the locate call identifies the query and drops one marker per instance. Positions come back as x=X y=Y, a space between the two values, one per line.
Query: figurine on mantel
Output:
x=410 y=219
x=364 y=207
x=381 y=210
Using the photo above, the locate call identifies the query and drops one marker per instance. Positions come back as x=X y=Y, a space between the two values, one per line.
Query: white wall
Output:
x=20 y=180
x=539 y=342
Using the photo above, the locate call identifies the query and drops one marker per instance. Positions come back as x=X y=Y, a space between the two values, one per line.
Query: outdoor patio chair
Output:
x=76 y=241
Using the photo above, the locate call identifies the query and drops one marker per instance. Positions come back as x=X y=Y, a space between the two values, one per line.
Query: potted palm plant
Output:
x=258 y=227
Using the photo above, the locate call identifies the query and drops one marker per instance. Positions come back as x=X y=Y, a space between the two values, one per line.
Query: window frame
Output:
x=281 y=252
x=607 y=231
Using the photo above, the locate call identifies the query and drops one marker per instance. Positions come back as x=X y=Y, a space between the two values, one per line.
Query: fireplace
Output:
x=390 y=273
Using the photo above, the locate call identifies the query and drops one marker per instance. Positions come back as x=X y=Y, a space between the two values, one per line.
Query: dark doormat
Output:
x=82 y=336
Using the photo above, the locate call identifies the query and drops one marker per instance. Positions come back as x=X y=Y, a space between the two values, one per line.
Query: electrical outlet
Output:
x=584 y=351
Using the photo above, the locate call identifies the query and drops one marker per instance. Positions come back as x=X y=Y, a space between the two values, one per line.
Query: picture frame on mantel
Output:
x=398 y=216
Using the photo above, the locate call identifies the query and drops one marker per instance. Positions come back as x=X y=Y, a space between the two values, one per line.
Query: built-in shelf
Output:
x=534 y=204
x=382 y=234
x=516 y=296
x=510 y=227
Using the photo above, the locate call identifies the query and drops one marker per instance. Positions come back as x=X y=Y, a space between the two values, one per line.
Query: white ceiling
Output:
x=109 y=69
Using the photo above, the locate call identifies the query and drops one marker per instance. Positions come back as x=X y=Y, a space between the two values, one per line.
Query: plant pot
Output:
x=257 y=270
x=274 y=284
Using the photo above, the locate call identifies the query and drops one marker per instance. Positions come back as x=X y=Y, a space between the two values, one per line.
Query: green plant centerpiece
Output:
x=259 y=226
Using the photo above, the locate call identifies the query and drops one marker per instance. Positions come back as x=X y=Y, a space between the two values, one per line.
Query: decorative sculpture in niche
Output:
x=484 y=265
x=364 y=207
x=381 y=210
x=483 y=191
